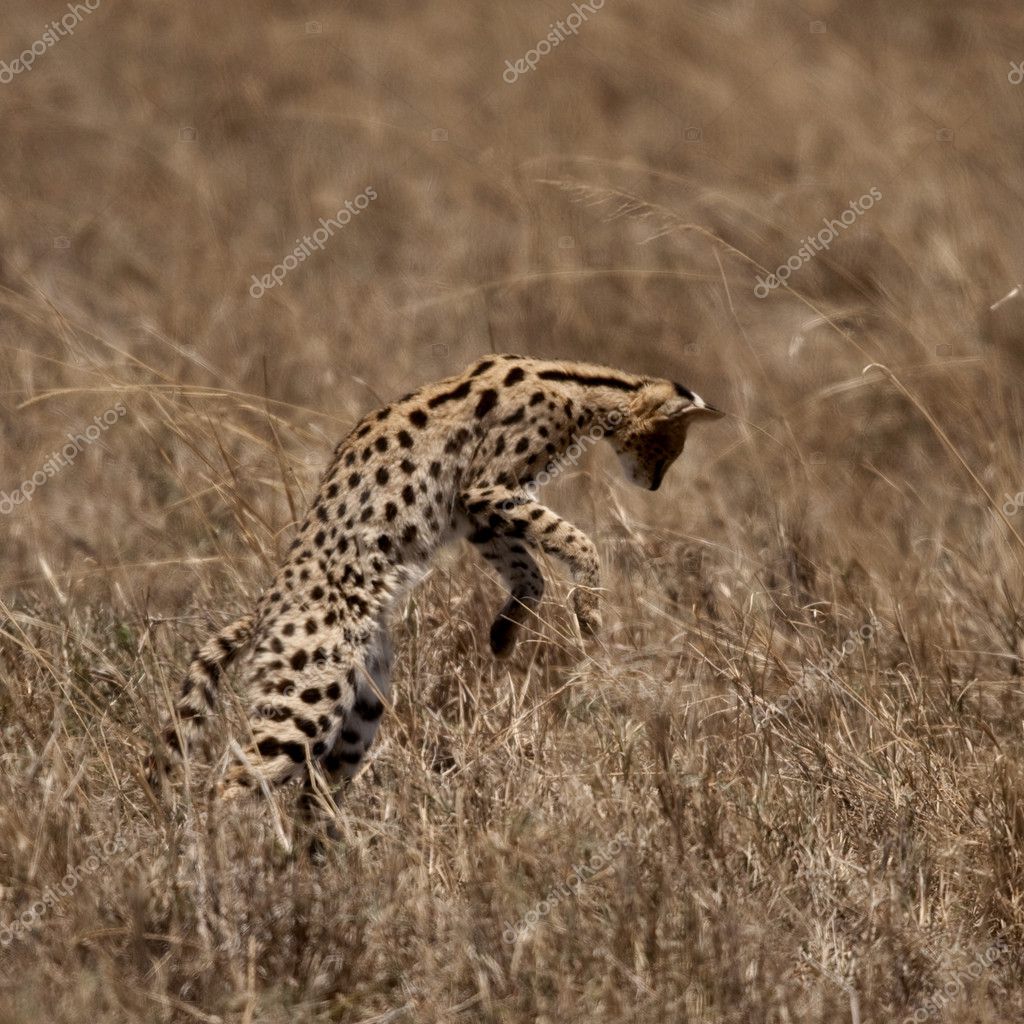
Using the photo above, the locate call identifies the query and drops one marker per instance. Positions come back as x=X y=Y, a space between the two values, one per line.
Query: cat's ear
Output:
x=678 y=408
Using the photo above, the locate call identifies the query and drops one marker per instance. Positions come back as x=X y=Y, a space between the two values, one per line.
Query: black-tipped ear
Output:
x=687 y=408
x=706 y=412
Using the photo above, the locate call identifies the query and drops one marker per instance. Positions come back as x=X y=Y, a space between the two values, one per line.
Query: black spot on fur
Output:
x=456 y=441
x=268 y=747
x=488 y=400
x=367 y=710
x=457 y=392
x=211 y=668
x=588 y=380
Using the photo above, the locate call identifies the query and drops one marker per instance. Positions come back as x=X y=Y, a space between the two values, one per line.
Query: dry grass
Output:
x=775 y=846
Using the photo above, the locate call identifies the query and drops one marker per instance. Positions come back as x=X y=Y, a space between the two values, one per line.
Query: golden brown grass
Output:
x=773 y=845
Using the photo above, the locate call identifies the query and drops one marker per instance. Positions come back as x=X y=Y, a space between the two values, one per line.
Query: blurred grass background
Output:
x=839 y=856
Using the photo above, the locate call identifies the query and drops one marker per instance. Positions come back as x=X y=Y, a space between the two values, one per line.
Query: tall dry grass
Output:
x=731 y=816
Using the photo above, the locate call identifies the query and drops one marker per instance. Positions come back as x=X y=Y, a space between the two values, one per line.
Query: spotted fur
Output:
x=459 y=458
